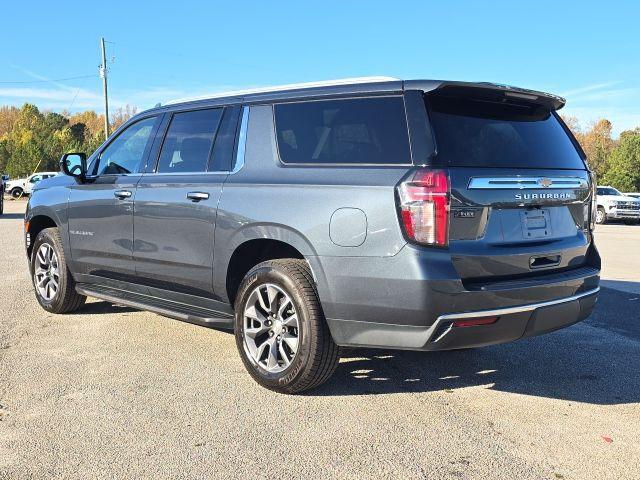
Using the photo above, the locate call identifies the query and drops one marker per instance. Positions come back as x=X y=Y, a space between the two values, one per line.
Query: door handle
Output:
x=197 y=196
x=122 y=194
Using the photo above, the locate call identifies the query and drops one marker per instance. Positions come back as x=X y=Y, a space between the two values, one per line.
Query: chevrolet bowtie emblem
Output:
x=545 y=182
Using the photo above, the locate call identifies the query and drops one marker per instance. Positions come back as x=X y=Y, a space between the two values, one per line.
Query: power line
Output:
x=48 y=81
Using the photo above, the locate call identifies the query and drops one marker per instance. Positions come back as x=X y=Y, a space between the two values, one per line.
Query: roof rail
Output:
x=292 y=86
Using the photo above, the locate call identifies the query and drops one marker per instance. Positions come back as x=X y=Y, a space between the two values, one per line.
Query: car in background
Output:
x=2 y=195
x=614 y=205
x=633 y=194
x=24 y=186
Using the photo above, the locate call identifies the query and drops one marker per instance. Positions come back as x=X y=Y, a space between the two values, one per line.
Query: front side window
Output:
x=187 y=145
x=35 y=179
x=349 y=131
x=125 y=154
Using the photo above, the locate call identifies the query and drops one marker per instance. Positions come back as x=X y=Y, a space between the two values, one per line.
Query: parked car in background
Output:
x=2 y=196
x=419 y=215
x=633 y=194
x=24 y=186
x=614 y=205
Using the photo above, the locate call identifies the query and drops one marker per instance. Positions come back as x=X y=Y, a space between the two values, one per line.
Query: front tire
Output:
x=16 y=192
x=280 y=329
x=54 y=286
x=601 y=216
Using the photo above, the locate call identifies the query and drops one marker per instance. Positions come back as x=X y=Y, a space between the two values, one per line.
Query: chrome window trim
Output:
x=174 y=174
x=242 y=141
x=525 y=183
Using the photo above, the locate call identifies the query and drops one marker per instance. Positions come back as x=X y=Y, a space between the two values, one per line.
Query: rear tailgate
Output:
x=520 y=191
x=504 y=223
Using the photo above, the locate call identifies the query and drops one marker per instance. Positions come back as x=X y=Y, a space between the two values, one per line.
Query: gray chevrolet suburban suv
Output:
x=423 y=215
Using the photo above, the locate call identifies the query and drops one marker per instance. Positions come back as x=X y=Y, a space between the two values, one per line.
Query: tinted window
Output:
x=222 y=158
x=482 y=133
x=188 y=142
x=124 y=154
x=366 y=130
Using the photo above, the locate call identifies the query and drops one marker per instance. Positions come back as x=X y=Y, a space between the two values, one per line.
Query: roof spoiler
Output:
x=488 y=91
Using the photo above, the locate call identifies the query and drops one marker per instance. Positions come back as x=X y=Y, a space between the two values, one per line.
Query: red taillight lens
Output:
x=475 y=322
x=424 y=207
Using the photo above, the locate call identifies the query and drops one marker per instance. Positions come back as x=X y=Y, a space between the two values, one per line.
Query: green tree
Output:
x=623 y=163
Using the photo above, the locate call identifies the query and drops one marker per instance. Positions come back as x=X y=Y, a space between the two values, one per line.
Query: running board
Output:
x=179 y=311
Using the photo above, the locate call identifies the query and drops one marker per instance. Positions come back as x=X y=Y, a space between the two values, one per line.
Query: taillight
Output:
x=424 y=207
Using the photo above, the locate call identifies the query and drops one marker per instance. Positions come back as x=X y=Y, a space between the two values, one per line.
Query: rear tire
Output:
x=601 y=216
x=53 y=283
x=277 y=307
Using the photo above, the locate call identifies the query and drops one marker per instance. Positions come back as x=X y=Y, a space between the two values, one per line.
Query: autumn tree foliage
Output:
x=32 y=140
x=624 y=163
x=615 y=162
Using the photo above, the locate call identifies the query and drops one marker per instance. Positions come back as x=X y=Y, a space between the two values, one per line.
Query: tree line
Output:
x=32 y=140
x=616 y=162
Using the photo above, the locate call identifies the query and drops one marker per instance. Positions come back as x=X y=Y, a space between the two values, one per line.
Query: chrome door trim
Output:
x=526 y=183
x=242 y=141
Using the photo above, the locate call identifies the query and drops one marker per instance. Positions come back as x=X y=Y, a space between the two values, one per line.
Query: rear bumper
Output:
x=411 y=301
x=512 y=324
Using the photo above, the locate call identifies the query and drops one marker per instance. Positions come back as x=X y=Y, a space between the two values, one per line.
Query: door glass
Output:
x=222 y=157
x=125 y=153
x=35 y=179
x=188 y=142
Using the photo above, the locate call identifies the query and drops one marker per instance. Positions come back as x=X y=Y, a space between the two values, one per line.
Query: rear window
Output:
x=479 y=133
x=349 y=131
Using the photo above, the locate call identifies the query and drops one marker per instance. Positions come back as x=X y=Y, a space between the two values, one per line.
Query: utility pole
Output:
x=103 y=74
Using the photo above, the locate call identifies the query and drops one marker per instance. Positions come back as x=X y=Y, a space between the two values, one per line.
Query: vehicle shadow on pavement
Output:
x=594 y=362
x=100 y=307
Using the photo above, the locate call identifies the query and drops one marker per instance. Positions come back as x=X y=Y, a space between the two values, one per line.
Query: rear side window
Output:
x=348 y=131
x=187 y=144
x=479 y=133
x=222 y=158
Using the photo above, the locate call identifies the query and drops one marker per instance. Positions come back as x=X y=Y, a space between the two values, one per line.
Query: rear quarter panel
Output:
x=267 y=199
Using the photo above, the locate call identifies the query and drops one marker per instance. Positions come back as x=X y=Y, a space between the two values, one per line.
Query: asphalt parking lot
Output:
x=110 y=392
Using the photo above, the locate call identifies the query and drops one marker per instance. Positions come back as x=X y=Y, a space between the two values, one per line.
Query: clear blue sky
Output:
x=587 y=51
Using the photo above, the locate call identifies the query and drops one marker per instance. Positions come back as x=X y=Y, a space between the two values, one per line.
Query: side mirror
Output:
x=74 y=165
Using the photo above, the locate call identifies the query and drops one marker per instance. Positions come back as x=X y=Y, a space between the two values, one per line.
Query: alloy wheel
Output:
x=270 y=328
x=46 y=274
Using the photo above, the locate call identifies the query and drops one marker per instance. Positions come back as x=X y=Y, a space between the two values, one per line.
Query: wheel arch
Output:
x=258 y=243
x=36 y=220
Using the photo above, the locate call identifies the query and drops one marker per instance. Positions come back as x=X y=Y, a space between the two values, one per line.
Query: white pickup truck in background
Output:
x=23 y=186
x=613 y=205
